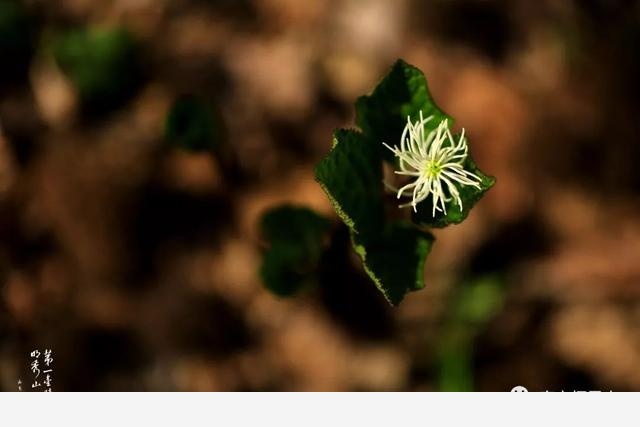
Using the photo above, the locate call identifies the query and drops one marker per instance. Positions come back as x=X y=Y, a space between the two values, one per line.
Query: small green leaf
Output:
x=293 y=224
x=395 y=259
x=296 y=237
x=468 y=194
x=351 y=175
x=404 y=92
x=285 y=270
x=192 y=125
x=102 y=63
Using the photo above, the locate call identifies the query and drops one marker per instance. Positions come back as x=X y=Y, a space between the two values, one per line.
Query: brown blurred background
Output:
x=137 y=261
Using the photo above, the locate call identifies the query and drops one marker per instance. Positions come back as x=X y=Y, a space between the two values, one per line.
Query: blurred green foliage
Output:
x=474 y=303
x=296 y=238
x=193 y=125
x=103 y=64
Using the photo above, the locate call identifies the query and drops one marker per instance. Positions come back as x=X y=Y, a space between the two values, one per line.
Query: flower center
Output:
x=432 y=168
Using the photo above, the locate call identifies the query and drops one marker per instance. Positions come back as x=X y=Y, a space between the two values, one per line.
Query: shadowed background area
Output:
x=142 y=140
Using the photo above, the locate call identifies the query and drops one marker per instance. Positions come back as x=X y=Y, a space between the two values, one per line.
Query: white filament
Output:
x=436 y=162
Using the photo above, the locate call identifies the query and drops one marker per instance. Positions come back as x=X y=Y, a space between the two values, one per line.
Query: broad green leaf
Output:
x=102 y=63
x=404 y=92
x=192 y=124
x=296 y=238
x=395 y=259
x=393 y=253
x=468 y=194
x=351 y=175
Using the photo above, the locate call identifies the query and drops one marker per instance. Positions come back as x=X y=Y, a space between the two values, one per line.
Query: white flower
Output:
x=435 y=161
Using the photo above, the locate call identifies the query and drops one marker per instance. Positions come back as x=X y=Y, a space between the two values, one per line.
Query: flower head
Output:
x=435 y=162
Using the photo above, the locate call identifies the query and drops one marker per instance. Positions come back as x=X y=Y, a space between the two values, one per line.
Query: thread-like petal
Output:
x=436 y=161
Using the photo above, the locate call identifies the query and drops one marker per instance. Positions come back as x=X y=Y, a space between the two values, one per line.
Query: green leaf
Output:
x=192 y=124
x=296 y=236
x=293 y=224
x=404 y=92
x=468 y=194
x=395 y=259
x=351 y=176
x=102 y=63
x=393 y=253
